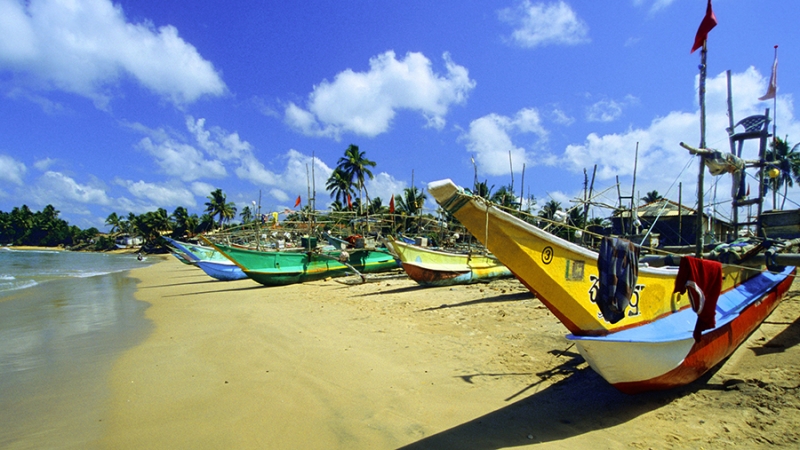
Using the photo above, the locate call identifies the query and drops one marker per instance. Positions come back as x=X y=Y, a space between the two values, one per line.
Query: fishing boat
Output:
x=430 y=267
x=639 y=326
x=278 y=268
x=651 y=345
x=208 y=259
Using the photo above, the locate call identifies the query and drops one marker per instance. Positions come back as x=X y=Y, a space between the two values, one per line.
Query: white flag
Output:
x=773 y=80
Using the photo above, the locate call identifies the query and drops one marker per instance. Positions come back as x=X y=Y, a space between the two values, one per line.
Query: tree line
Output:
x=347 y=188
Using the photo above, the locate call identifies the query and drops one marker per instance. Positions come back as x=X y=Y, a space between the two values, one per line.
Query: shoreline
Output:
x=121 y=251
x=60 y=340
x=391 y=364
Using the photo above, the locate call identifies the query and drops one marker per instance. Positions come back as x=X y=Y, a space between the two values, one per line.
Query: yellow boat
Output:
x=430 y=267
x=563 y=275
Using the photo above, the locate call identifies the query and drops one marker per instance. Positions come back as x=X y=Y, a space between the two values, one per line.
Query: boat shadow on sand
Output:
x=580 y=402
x=512 y=297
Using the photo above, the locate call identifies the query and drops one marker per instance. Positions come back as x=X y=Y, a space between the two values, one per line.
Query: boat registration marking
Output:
x=633 y=306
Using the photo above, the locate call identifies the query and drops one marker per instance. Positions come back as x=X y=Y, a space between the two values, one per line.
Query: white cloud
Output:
x=385 y=186
x=44 y=164
x=57 y=188
x=490 y=138
x=608 y=110
x=87 y=47
x=366 y=102
x=661 y=160
x=11 y=170
x=543 y=24
x=163 y=194
x=604 y=111
x=218 y=142
x=201 y=189
x=657 y=5
x=279 y=195
x=562 y=118
x=182 y=160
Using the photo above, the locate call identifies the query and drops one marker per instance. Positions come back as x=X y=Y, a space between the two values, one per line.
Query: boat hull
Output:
x=664 y=355
x=283 y=268
x=565 y=276
x=436 y=268
x=221 y=271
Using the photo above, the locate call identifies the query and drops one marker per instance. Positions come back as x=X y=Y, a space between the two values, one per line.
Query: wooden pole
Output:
x=701 y=172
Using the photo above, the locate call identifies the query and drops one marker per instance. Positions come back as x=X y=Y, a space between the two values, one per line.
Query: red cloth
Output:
x=703 y=281
x=709 y=22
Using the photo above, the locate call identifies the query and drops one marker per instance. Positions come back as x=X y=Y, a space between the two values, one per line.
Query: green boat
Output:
x=279 y=268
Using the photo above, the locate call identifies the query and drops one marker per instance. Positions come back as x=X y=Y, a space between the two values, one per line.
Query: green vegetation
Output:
x=787 y=161
x=22 y=226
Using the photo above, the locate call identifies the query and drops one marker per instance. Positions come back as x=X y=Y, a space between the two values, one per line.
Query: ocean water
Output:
x=64 y=318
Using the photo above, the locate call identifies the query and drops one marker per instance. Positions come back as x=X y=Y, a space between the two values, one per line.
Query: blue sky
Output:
x=134 y=105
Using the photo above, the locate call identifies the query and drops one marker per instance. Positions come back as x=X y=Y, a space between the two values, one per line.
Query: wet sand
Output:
x=387 y=365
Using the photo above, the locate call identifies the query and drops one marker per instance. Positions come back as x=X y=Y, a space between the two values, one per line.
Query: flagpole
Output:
x=775 y=101
x=702 y=94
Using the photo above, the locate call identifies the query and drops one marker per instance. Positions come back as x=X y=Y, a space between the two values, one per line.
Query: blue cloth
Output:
x=618 y=264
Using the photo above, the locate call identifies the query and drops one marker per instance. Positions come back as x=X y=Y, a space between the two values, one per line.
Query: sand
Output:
x=389 y=364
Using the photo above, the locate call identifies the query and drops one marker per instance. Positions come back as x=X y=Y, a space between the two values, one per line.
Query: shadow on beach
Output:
x=787 y=338
x=579 y=403
x=515 y=297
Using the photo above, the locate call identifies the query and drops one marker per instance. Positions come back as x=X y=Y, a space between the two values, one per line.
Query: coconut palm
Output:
x=482 y=189
x=217 y=205
x=787 y=161
x=355 y=167
x=339 y=185
x=115 y=221
x=180 y=220
x=246 y=215
x=549 y=209
x=652 y=196
x=411 y=201
x=504 y=197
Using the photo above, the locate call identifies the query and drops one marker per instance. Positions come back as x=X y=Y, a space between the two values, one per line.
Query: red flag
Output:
x=297 y=202
x=349 y=202
x=709 y=22
x=772 y=89
x=391 y=205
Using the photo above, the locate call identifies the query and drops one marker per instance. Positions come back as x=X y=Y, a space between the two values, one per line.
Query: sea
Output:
x=64 y=319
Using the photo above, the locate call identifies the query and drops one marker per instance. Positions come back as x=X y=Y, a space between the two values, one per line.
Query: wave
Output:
x=17 y=286
x=93 y=274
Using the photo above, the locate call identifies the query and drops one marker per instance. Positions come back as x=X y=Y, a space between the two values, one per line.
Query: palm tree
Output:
x=355 y=167
x=160 y=221
x=483 y=190
x=549 y=209
x=337 y=206
x=411 y=201
x=217 y=205
x=339 y=186
x=787 y=161
x=205 y=223
x=181 y=224
x=115 y=221
x=652 y=196
x=376 y=206
x=504 y=197
x=246 y=215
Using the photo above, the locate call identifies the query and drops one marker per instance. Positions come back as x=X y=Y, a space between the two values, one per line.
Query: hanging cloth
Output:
x=702 y=280
x=618 y=264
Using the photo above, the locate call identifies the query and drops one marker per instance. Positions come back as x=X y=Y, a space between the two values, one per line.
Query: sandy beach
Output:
x=389 y=364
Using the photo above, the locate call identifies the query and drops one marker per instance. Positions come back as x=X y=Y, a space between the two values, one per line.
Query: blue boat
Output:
x=208 y=259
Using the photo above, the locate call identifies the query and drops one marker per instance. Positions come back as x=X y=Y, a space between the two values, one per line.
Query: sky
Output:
x=132 y=106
